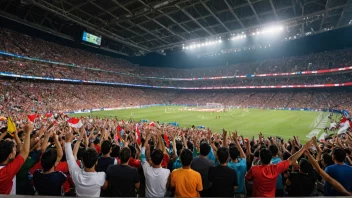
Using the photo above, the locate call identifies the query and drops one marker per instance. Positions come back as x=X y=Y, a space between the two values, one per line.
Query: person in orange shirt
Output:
x=185 y=181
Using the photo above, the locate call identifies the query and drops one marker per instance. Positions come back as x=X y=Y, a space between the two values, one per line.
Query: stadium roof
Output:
x=134 y=27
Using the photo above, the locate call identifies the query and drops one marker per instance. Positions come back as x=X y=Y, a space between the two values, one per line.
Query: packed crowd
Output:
x=13 y=42
x=30 y=96
x=115 y=158
x=45 y=70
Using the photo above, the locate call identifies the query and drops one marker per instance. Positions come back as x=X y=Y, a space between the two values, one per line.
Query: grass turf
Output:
x=281 y=123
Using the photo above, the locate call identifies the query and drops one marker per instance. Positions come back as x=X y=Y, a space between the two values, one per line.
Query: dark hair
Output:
x=327 y=159
x=157 y=156
x=106 y=147
x=286 y=155
x=265 y=156
x=186 y=157
x=48 y=159
x=125 y=154
x=6 y=148
x=234 y=152
x=115 y=151
x=90 y=157
x=273 y=149
x=179 y=147
x=223 y=155
x=133 y=151
x=204 y=149
x=339 y=154
x=305 y=166
x=190 y=145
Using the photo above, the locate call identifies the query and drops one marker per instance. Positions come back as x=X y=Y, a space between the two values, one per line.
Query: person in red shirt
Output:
x=10 y=163
x=264 y=176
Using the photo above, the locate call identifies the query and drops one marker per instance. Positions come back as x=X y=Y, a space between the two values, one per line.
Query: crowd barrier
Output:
x=323 y=71
x=7 y=74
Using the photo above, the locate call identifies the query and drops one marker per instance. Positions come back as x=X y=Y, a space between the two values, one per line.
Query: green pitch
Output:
x=270 y=122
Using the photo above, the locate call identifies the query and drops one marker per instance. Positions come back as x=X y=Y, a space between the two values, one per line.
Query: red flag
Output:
x=48 y=115
x=152 y=124
x=75 y=122
x=32 y=117
x=118 y=134
x=166 y=138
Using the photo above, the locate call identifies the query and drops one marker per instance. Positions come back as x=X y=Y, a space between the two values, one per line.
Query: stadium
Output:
x=154 y=98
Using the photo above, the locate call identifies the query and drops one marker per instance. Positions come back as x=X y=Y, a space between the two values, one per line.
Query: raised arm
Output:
x=295 y=156
x=224 y=138
x=27 y=133
x=235 y=139
x=18 y=141
x=73 y=167
x=78 y=143
x=327 y=177
x=59 y=151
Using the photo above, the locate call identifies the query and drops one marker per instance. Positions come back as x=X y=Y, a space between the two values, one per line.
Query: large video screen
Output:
x=91 y=38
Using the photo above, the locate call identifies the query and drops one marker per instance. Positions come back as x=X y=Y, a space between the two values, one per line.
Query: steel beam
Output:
x=325 y=14
x=122 y=6
x=255 y=13
x=161 y=25
x=127 y=10
x=230 y=21
x=193 y=19
x=273 y=7
x=294 y=7
x=234 y=14
x=165 y=14
x=213 y=26
x=211 y=12
x=342 y=13
x=51 y=8
x=77 y=6
x=178 y=44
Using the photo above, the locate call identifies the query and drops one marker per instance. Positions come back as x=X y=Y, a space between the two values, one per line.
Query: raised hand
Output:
x=69 y=136
x=28 y=128
x=224 y=133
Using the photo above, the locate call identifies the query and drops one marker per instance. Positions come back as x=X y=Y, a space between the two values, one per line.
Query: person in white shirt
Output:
x=156 y=177
x=344 y=127
x=332 y=125
x=88 y=182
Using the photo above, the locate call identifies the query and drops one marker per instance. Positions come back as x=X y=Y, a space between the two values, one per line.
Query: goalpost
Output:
x=214 y=106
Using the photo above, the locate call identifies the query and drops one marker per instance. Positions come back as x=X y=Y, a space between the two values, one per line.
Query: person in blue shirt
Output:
x=238 y=163
x=340 y=172
x=275 y=160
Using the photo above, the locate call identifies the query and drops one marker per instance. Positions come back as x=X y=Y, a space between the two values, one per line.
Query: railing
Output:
x=323 y=71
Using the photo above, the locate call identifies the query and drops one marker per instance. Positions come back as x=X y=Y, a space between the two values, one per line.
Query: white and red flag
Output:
x=152 y=124
x=75 y=122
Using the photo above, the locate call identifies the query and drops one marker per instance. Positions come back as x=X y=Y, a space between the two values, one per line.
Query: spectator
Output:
x=239 y=164
x=48 y=181
x=339 y=171
x=302 y=183
x=275 y=160
x=105 y=161
x=123 y=179
x=265 y=176
x=11 y=163
x=185 y=181
x=202 y=164
x=88 y=182
x=223 y=179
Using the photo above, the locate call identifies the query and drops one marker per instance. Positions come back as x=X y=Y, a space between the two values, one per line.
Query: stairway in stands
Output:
x=322 y=123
